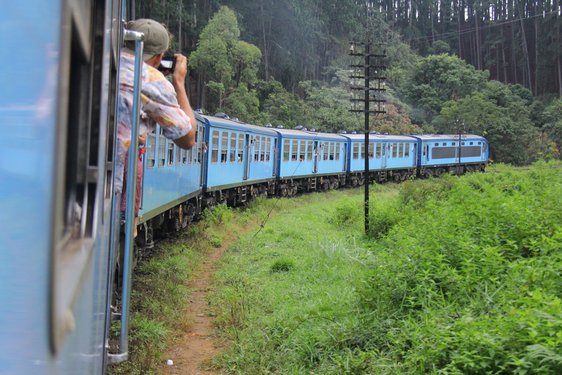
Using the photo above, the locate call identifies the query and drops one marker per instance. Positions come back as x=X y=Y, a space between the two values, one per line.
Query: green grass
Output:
x=159 y=288
x=457 y=276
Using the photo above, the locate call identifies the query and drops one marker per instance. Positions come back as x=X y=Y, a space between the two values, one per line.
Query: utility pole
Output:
x=370 y=72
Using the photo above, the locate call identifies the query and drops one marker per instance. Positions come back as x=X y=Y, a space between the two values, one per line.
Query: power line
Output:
x=470 y=30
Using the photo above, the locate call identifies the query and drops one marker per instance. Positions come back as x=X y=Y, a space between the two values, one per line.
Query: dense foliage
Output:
x=476 y=281
x=459 y=276
x=285 y=62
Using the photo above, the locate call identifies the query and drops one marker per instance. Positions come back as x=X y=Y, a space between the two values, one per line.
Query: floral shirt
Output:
x=158 y=105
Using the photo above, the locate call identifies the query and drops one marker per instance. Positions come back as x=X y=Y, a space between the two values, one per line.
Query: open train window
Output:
x=401 y=150
x=356 y=151
x=361 y=151
x=436 y=144
x=378 y=151
x=309 y=148
x=394 y=150
x=338 y=146
x=215 y=146
x=407 y=150
x=371 y=150
x=262 y=149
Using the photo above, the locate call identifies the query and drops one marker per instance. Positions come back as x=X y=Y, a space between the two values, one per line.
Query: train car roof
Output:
x=380 y=137
x=230 y=124
x=429 y=137
x=308 y=134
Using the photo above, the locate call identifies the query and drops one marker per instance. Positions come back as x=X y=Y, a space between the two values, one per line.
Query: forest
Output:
x=490 y=67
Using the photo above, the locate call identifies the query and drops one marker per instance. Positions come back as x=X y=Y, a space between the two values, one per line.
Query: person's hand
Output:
x=180 y=71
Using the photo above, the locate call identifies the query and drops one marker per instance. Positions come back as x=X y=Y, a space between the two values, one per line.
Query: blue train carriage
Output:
x=310 y=161
x=172 y=183
x=391 y=157
x=240 y=162
x=56 y=184
x=451 y=153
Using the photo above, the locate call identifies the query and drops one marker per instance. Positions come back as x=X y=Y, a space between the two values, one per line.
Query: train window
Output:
x=302 y=150
x=454 y=143
x=294 y=150
x=479 y=143
x=178 y=155
x=371 y=150
x=401 y=150
x=256 y=148
x=437 y=144
x=356 y=151
x=362 y=151
x=215 y=147
x=309 y=148
x=187 y=156
x=471 y=143
x=407 y=150
x=232 y=154
x=150 y=150
x=378 y=151
x=262 y=148
x=462 y=143
x=170 y=153
x=286 y=150
x=240 y=147
x=268 y=149
x=161 y=149
x=394 y=150
x=338 y=146
x=224 y=146
x=444 y=143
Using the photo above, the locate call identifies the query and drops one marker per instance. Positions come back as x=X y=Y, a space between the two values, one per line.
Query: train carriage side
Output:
x=310 y=161
x=172 y=177
x=390 y=157
x=56 y=185
x=451 y=153
x=240 y=161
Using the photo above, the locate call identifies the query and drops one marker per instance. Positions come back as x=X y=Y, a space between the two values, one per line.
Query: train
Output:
x=61 y=233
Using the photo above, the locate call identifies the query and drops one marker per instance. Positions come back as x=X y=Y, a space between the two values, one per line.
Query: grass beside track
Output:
x=458 y=276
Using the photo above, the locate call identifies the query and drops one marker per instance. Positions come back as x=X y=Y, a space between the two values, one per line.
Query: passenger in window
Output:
x=162 y=102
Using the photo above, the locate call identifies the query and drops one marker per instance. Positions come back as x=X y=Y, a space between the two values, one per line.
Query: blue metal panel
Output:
x=28 y=119
x=177 y=177
x=428 y=143
x=234 y=156
x=28 y=123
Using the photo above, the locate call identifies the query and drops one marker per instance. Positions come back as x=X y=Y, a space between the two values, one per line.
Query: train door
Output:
x=315 y=157
x=249 y=147
x=275 y=156
x=344 y=166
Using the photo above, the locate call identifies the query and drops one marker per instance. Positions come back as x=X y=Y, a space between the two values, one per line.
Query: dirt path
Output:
x=197 y=347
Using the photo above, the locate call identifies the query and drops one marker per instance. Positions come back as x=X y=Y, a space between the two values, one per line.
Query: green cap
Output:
x=156 y=37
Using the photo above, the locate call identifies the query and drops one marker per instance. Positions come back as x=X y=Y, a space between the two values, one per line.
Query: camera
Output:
x=168 y=64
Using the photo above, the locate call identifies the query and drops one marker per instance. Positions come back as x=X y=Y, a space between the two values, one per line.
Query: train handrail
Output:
x=123 y=351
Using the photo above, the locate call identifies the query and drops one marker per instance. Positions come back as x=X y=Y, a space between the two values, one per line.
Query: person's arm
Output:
x=178 y=80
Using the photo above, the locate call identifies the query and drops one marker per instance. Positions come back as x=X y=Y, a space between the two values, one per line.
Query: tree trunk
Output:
x=525 y=51
x=264 y=40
